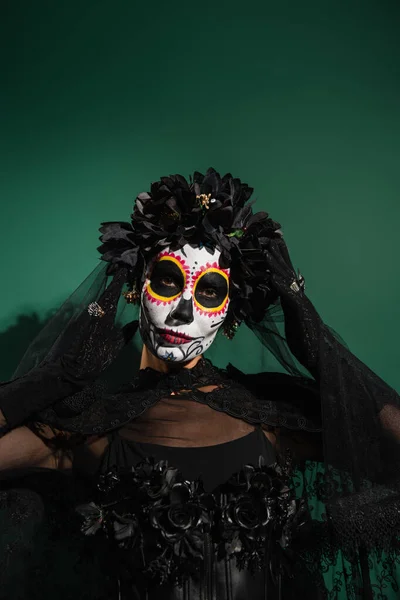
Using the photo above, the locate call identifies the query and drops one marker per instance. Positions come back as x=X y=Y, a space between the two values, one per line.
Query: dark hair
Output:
x=209 y=211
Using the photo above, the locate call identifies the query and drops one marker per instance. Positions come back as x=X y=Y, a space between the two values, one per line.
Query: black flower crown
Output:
x=210 y=211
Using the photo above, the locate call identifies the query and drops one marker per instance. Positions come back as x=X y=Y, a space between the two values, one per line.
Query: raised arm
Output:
x=360 y=412
x=90 y=345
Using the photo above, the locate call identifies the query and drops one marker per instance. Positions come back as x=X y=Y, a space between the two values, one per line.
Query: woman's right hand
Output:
x=96 y=342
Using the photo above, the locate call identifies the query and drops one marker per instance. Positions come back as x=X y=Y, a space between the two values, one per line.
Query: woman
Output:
x=190 y=463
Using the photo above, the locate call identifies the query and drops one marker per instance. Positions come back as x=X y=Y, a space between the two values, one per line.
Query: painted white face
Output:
x=184 y=302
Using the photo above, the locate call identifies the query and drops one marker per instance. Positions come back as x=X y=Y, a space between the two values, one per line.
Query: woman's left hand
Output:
x=302 y=322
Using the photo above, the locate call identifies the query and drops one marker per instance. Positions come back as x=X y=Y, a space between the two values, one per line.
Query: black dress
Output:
x=214 y=464
x=214 y=574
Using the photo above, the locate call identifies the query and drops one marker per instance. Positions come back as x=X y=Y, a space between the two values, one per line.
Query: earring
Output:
x=229 y=329
x=132 y=296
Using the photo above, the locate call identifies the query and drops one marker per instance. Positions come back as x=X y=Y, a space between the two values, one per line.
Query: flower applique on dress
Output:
x=151 y=513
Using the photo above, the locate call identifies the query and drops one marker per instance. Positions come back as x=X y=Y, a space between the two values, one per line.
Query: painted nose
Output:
x=183 y=313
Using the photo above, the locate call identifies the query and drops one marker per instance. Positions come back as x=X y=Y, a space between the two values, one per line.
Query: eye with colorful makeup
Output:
x=211 y=290
x=167 y=279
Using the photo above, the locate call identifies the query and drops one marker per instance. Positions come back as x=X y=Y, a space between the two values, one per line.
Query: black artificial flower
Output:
x=93 y=517
x=160 y=519
x=126 y=529
x=246 y=512
x=160 y=481
x=258 y=505
x=181 y=515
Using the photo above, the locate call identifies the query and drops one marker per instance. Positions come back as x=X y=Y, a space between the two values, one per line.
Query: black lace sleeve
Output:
x=360 y=422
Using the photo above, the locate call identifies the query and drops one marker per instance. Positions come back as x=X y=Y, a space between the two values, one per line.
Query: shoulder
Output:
x=281 y=399
x=274 y=382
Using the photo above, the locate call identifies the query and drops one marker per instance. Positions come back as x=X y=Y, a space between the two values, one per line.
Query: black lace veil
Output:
x=358 y=413
x=51 y=341
x=54 y=340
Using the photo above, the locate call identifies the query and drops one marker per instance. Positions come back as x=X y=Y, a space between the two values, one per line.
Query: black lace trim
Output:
x=292 y=401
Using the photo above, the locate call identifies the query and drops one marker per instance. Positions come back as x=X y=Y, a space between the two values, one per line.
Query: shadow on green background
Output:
x=301 y=100
x=15 y=339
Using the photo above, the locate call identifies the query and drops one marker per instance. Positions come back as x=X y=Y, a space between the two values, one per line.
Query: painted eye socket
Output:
x=167 y=280
x=211 y=290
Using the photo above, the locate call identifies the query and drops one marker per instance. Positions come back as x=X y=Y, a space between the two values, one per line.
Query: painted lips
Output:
x=174 y=337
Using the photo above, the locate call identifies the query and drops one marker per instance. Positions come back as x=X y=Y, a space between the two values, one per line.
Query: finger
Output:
x=111 y=295
x=278 y=284
x=108 y=301
x=285 y=254
x=278 y=278
x=100 y=314
x=119 y=339
x=275 y=263
x=281 y=276
x=280 y=251
x=129 y=330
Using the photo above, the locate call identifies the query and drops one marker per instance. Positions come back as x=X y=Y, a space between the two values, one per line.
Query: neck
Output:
x=149 y=360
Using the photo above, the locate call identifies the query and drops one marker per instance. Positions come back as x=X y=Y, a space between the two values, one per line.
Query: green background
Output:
x=299 y=99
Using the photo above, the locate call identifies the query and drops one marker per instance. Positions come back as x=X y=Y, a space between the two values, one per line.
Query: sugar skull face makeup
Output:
x=184 y=302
